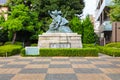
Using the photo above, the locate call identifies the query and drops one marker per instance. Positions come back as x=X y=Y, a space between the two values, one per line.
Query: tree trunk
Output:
x=14 y=38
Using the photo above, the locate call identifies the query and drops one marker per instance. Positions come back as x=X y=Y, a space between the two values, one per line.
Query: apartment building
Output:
x=3 y=9
x=2 y=1
x=106 y=31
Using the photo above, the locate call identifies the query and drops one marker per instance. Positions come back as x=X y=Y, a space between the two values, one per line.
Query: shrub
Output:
x=8 y=43
x=69 y=52
x=89 y=45
x=10 y=50
x=66 y=52
x=34 y=44
x=112 y=51
x=117 y=45
x=1 y=43
x=22 y=53
x=16 y=43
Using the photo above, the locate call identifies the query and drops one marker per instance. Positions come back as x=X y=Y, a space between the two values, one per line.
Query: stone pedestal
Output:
x=59 y=40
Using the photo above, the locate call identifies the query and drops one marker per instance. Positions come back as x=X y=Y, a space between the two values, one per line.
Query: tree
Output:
x=115 y=11
x=76 y=25
x=19 y=19
x=38 y=12
x=89 y=35
x=3 y=33
x=68 y=8
x=85 y=28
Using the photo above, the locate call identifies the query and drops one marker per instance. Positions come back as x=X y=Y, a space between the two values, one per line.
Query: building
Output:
x=105 y=29
x=3 y=9
x=2 y=2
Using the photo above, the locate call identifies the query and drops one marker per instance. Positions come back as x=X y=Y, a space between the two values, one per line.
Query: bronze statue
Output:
x=59 y=23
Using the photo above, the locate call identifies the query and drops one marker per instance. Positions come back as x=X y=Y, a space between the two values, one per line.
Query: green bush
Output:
x=1 y=43
x=8 y=43
x=34 y=44
x=22 y=53
x=89 y=45
x=16 y=43
x=112 y=51
x=117 y=45
x=66 y=52
x=10 y=50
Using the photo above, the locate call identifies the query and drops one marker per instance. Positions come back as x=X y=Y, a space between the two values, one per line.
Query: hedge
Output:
x=112 y=51
x=16 y=43
x=115 y=44
x=66 y=52
x=34 y=44
x=10 y=50
x=1 y=43
x=89 y=45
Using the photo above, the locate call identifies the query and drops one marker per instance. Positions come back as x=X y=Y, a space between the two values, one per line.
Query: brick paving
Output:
x=60 y=68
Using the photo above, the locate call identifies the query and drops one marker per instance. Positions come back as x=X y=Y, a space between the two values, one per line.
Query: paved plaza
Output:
x=60 y=68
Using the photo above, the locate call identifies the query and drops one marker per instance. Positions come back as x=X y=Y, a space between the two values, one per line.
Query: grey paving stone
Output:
x=61 y=77
x=43 y=58
x=60 y=66
x=115 y=62
x=87 y=70
x=2 y=62
x=106 y=66
x=114 y=76
x=40 y=62
x=60 y=59
x=76 y=57
x=96 y=59
x=80 y=62
x=17 y=60
x=13 y=66
x=6 y=76
x=33 y=70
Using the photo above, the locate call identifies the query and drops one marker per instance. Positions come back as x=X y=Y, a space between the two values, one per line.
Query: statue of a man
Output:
x=59 y=24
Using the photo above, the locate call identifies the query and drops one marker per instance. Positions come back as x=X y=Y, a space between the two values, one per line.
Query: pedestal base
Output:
x=59 y=40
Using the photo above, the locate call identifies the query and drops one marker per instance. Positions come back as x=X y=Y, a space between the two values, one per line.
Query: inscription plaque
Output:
x=60 y=45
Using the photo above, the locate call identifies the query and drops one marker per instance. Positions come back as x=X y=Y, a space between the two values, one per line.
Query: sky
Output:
x=90 y=6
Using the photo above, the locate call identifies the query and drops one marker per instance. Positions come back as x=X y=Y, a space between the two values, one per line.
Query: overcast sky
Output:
x=90 y=6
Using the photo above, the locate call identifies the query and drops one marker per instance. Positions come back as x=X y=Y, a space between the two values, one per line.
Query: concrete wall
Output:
x=116 y=32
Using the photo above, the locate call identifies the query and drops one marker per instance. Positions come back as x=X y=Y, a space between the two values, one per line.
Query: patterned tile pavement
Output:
x=60 y=68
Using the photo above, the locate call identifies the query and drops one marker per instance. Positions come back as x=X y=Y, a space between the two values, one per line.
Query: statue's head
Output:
x=55 y=12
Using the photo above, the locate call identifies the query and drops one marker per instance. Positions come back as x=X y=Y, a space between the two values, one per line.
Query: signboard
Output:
x=32 y=50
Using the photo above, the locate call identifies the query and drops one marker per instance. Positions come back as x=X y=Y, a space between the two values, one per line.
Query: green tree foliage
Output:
x=68 y=7
x=88 y=31
x=3 y=33
x=76 y=25
x=115 y=11
x=85 y=28
x=35 y=17
x=2 y=19
x=19 y=19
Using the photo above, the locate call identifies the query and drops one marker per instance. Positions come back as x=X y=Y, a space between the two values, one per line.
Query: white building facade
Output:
x=103 y=25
